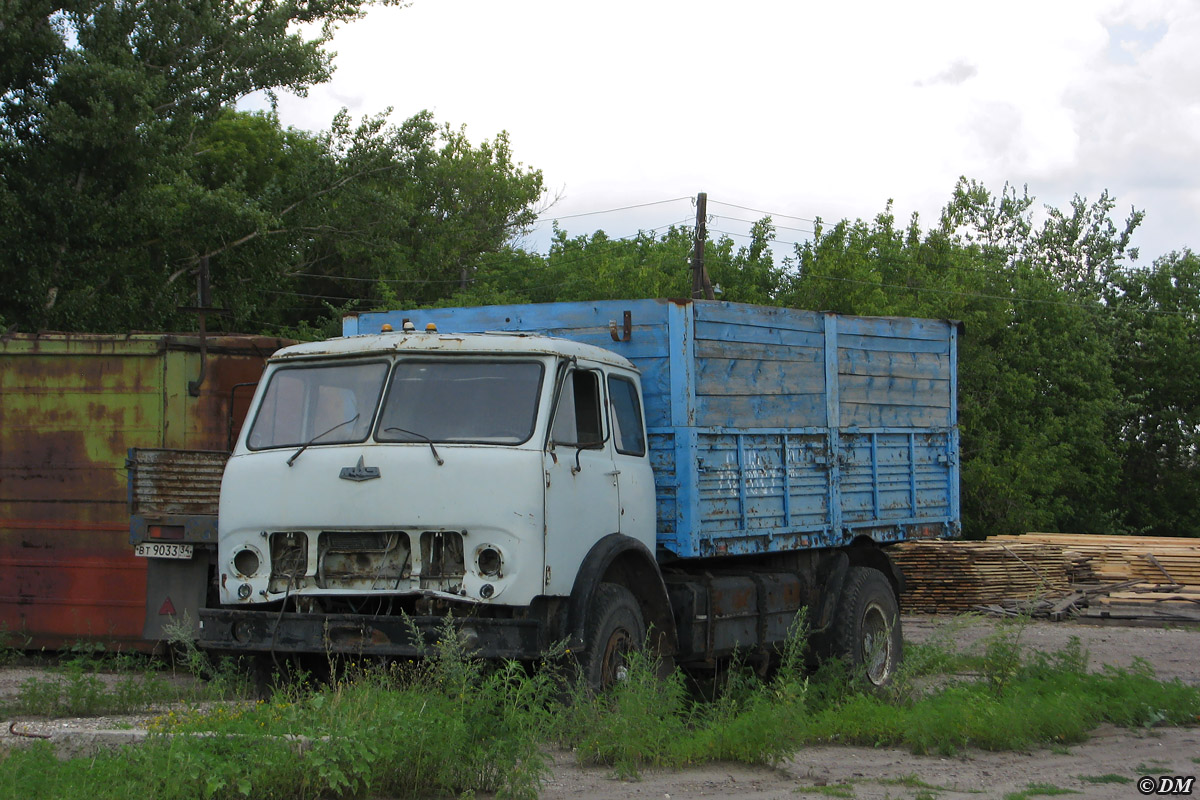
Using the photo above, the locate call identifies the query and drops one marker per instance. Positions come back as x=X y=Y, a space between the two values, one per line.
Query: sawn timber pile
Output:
x=1113 y=559
x=1056 y=574
x=960 y=576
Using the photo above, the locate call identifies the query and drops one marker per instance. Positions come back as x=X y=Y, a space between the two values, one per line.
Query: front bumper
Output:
x=360 y=634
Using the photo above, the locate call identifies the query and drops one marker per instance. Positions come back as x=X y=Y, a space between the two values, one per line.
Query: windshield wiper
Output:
x=423 y=437
x=296 y=454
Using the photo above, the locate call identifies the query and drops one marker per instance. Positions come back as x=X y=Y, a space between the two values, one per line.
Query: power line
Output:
x=544 y=266
x=771 y=214
x=611 y=210
x=755 y=222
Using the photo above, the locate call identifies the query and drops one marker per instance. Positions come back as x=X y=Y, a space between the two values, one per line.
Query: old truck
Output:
x=72 y=405
x=689 y=474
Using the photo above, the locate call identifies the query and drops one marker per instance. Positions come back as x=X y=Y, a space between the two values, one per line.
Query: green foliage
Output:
x=123 y=166
x=77 y=688
x=1157 y=329
x=597 y=267
x=11 y=645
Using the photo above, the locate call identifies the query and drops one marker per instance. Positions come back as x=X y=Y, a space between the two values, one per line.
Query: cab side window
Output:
x=628 y=434
x=577 y=421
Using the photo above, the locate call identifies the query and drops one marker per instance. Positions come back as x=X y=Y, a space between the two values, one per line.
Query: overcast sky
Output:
x=802 y=109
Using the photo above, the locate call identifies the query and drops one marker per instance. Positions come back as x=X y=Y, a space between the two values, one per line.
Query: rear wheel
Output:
x=866 y=629
x=614 y=629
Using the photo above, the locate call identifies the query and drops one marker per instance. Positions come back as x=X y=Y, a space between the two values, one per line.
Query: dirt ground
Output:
x=876 y=773
x=1112 y=754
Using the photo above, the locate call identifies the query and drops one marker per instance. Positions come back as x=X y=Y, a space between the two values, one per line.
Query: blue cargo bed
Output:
x=771 y=429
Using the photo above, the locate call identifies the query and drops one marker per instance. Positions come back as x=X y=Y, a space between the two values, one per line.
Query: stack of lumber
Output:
x=1137 y=577
x=1148 y=601
x=944 y=576
x=1113 y=559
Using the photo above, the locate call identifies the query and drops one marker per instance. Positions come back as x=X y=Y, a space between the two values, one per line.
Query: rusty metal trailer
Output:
x=71 y=407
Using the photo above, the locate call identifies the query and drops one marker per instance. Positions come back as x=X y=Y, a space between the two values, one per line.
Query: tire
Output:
x=614 y=628
x=866 y=628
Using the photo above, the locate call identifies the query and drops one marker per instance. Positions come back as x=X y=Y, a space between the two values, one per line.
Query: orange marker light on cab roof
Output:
x=386 y=328
x=431 y=328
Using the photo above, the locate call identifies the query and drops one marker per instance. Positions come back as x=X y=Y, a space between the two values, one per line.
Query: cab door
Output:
x=582 y=503
x=635 y=478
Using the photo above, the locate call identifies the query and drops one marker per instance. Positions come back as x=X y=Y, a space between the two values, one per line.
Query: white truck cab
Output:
x=478 y=468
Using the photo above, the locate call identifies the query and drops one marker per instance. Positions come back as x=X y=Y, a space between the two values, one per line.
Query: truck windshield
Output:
x=461 y=401
x=330 y=404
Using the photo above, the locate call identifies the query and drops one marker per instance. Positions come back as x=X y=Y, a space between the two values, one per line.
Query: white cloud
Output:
x=802 y=108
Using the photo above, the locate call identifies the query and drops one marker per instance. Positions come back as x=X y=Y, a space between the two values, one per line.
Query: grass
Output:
x=1108 y=777
x=450 y=725
x=1039 y=790
x=832 y=790
x=1155 y=767
x=87 y=680
x=910 y=782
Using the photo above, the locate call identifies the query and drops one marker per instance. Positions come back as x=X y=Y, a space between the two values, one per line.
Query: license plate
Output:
x=161 y=550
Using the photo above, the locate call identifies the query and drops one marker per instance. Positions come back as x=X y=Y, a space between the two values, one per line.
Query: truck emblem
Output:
x=359 y=472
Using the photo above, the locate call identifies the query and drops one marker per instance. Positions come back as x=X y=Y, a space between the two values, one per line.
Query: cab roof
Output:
x=496 y=343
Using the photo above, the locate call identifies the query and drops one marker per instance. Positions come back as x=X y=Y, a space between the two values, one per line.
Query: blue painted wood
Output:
x=770 y=429
x=715 y=332
x=833 y=422
x=743 y=376
x=893 y=345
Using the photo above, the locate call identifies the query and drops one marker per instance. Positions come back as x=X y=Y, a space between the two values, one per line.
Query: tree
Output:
x=1038 y=402
x=102 y=104
x=1157 y=367
x=362 y=215
x=597 y=267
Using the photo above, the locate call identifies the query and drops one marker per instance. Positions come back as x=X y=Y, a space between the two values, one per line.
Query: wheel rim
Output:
x=612 y=663
x=877 y=652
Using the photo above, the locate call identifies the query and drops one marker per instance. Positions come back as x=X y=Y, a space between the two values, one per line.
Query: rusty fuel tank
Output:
x=71 y=406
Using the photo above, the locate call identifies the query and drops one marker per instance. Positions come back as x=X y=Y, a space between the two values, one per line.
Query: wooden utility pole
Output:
x=203 y=297
x=701 y=287
x=203 y=300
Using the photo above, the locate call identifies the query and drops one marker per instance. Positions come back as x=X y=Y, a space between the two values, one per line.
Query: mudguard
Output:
x=623 y=560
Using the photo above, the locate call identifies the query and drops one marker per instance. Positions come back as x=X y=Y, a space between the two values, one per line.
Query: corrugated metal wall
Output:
x=71 y=405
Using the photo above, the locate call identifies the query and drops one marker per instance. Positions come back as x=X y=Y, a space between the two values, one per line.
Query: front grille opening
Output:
x=441 y=555
x=289 y=560
x=363 y=560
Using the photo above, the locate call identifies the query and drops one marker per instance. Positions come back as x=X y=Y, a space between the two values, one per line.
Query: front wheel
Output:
x=613 y=630
x=866 y=629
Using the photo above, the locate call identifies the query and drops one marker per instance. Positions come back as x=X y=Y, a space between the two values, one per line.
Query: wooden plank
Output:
x=1157 y=560
x=895 y=391
x=893 y=345
x=744 y=333
x=727 y=376
x=709 y=348
x=873 y=416
x=956 y=576
x=895 y=327
x=762 y=316
x=901 y=365
x=766 y=411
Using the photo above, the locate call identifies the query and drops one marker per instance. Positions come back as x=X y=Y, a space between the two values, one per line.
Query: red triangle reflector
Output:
x=167 y=608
